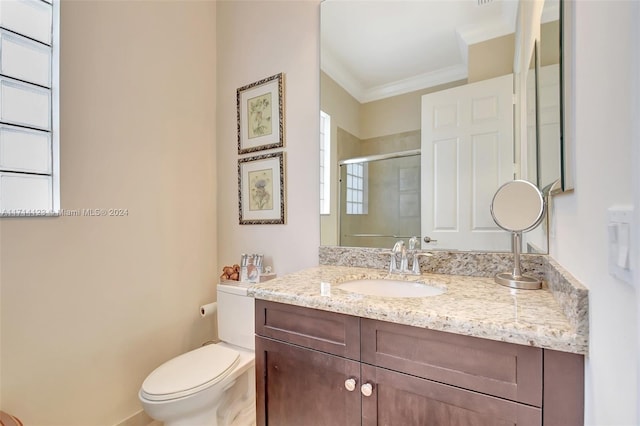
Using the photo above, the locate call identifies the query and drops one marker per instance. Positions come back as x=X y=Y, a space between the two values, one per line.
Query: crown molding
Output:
x=363 y=95
x=412 y=84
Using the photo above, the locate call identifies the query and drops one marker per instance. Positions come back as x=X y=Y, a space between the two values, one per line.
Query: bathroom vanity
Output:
x=478 y=354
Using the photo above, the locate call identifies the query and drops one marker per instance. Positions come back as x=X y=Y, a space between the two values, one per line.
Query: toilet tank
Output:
x=236 y=313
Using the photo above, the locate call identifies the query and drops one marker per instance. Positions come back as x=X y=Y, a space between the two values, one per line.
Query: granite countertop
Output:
x=471 y=306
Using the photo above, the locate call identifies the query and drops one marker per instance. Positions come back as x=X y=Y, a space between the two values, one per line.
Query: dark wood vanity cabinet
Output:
x=322 y=368
x=300 y=386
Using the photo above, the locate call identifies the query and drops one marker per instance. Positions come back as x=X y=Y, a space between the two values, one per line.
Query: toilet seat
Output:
x=190 y=373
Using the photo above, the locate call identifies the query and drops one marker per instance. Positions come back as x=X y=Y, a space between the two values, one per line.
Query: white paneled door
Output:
x=467 y=153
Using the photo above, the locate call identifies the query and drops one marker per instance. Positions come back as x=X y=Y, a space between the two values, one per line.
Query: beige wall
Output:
x=90 y=305
x=491 y=58
x=257 y=39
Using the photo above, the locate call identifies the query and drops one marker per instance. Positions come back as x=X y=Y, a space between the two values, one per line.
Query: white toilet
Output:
x=213 y=385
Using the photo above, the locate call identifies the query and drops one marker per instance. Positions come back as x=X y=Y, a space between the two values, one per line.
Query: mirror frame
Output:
x=567 y=122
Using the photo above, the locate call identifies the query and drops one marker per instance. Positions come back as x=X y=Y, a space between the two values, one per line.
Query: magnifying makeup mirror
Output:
x=517 y=206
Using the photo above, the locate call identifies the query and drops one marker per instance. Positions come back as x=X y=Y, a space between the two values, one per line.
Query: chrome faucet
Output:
x=398 y=247
x=412 y=254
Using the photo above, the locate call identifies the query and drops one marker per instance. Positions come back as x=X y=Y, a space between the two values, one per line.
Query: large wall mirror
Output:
x=427 y=108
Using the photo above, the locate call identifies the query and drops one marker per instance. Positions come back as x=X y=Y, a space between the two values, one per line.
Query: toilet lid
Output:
x=190 y=373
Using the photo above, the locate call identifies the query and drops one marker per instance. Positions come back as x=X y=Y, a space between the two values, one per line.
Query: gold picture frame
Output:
x=261 y=192
x=260 y=115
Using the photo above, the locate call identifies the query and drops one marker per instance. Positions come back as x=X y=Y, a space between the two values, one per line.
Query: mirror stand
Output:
x=515 y=279
x=518 y=206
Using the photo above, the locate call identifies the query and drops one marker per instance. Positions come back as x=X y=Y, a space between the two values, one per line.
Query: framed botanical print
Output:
x=261 y=195
x=260 y=115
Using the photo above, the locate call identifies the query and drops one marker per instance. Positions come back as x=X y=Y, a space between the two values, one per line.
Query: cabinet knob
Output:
x=366 y=389
x=350 y=384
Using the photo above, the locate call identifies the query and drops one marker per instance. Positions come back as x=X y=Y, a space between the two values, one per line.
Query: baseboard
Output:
x=138 y=419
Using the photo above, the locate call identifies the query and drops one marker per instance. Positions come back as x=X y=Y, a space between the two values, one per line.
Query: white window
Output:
x=29 y=131
x=357 y=200
x=325 y=163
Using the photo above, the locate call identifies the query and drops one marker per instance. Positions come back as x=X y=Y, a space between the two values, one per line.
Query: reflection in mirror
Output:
x=380 y=192
x=380 y=60
x=549 y=107
x=517 y=207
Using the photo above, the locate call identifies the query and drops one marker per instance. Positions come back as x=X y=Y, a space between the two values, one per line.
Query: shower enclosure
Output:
x=379 y=199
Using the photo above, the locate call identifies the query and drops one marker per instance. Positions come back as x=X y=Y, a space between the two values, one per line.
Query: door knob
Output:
x=350 y=384
x=429 y=240
x=366 y=389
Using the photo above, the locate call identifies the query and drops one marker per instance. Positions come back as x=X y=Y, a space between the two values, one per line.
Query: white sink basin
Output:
x=390 y=288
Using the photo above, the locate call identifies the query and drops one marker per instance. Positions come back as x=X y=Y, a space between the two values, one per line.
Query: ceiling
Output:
x=380 y=48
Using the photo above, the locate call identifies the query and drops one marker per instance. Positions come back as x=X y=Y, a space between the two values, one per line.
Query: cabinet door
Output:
x=402 y=400
x=495 y=368
x=298 y=386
